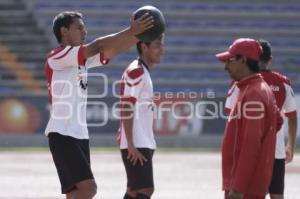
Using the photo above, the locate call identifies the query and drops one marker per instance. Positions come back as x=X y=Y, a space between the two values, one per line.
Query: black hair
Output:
x=252 y=64
x=267 y=50
x=139 y=46
x=64 y=19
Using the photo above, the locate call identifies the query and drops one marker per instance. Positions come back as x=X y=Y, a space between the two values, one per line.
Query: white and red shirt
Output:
x=284 y=95
x=66 y=72
x=137 y=89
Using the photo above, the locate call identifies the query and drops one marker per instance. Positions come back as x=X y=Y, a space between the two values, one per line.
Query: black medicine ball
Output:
x=158 y=24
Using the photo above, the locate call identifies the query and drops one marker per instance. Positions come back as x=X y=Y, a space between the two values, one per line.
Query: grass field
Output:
x=179 y=174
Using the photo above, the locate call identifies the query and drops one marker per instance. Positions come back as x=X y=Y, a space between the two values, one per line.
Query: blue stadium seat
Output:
x=262 y=22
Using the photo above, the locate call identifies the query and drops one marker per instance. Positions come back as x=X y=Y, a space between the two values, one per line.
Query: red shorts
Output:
x=245 y=196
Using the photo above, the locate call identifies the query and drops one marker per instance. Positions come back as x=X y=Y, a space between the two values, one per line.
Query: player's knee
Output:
x=150 y=191
x=92 y=190
x=129 y=196
x=146 y=192
x=131 y=192
x=142 y=196
x=88 y=188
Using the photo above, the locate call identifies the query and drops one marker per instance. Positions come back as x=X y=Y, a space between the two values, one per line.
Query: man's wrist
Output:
x=133 y=34
x=289 y=145
x=130 y=144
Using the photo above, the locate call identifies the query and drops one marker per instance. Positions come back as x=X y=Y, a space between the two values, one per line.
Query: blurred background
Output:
x=196 y=31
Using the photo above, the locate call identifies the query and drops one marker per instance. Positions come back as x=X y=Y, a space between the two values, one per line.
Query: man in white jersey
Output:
x=283 y=92
x=66 y=68
x=136 y=137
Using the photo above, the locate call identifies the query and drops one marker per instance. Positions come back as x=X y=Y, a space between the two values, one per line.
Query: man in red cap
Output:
x=250 y=134
x=284 y=95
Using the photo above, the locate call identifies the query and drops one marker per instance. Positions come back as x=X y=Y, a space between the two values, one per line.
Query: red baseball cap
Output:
x=247 y=47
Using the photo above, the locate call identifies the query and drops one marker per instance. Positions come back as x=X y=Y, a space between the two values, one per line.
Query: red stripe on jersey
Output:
x=102 y=60
x=292 y=114
x=125 y=98
x=119 y=134
x=49 y=73
x=122 y=87
x=64 y=54
x=130 y=99
x=276 y=82
x=81 y=59
x=279 y=76
x=135 y=73
x=227 y=110
x=131 y=85
x=56 y=51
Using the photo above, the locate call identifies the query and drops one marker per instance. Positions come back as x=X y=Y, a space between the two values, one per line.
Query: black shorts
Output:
x=71 y=157
x=277 y=182
x=138 y=176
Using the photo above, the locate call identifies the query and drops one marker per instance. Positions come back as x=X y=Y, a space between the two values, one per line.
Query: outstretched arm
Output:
x=114 y=44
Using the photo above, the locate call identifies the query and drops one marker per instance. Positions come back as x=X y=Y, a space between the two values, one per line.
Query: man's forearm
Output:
x=111 y=45
x=292 y=123
x=114 y=44
x=128 y=124
x=127 y=121
x=117 y=43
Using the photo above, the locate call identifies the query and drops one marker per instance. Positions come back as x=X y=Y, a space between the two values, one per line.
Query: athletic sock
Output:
x=142 y=196
x=128 y=197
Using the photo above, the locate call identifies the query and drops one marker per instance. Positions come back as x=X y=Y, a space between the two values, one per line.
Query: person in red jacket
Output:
x=248 y=147
x=284 y=95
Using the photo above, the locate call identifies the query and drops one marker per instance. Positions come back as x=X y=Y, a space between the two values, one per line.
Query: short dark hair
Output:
x=64 y=19
x=252 y=64
x=267 y=50
x=139 y=46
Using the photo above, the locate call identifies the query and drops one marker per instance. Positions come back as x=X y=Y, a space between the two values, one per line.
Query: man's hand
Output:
x=289 y=153
x=134 y=155
x=141 y=24
x=235 y=195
